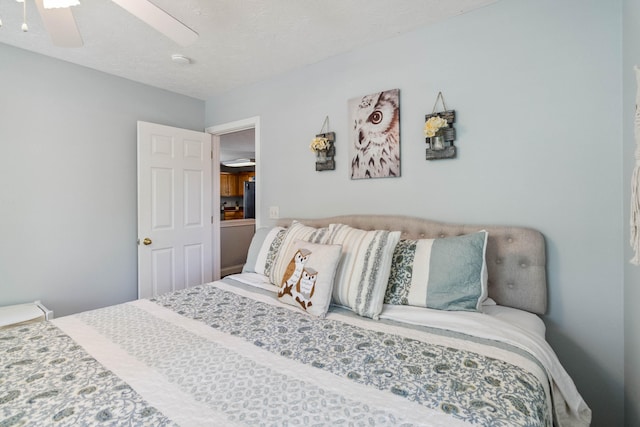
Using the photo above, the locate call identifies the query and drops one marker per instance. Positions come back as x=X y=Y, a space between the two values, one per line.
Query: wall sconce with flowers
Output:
x=323 y=147
x=439 y=132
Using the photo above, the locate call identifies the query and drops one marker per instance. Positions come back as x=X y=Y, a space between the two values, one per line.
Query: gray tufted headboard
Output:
x=515 y=255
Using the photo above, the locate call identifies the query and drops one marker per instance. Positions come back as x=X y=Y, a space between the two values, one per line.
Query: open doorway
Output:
x=237 y=199
x=237 y=175
x=236 y=190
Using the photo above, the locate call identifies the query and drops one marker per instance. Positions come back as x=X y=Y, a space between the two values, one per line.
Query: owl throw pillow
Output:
x=307 y=281
x=296 y=231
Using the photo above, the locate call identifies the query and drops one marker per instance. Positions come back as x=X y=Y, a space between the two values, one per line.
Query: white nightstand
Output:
x=20 y=314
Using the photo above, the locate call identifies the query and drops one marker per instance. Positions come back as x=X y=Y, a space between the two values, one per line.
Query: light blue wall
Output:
x=631 y=57
x=68 y=179
x=537 y=90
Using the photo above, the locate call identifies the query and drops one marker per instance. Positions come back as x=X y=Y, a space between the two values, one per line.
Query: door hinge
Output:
x=211 y=219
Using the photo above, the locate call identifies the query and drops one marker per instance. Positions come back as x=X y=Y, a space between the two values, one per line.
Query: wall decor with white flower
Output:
x=323 y=147
x=439 y=132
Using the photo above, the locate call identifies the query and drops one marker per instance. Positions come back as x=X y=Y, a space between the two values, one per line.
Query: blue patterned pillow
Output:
x=444 y=274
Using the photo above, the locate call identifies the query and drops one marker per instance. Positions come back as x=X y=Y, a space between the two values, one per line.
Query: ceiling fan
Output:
x=61 y=25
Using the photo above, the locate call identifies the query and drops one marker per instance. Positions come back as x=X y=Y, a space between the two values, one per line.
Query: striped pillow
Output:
x=263 y=249
x=363 y=272
x=444 y=274
x=296 y=231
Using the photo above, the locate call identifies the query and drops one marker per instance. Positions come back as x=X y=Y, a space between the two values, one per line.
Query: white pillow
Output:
x=307 y=281
x=363 y=272
x=255 y=280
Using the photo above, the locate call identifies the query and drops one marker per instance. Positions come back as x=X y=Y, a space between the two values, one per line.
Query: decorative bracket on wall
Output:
x=440 y=133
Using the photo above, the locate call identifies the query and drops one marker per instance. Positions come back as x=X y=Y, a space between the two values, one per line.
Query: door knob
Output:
x=147 y=241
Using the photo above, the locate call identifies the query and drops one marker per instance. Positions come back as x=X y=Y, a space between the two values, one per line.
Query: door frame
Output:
x=216 y=131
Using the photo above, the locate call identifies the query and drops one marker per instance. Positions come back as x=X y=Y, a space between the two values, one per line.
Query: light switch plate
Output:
x=274 y=212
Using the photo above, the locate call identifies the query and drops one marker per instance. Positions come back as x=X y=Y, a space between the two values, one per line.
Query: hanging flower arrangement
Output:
x=440 y=132
x=323 y=147
x=433 y=125
x=319 y=144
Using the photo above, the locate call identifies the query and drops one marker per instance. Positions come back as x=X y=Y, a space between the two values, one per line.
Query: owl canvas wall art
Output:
x=375 y=135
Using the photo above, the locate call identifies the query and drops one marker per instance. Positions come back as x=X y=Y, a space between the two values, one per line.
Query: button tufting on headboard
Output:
x=512 y=253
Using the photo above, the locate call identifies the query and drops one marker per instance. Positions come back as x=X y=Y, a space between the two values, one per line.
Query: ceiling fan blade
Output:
x=61 y=26
x=160 y=20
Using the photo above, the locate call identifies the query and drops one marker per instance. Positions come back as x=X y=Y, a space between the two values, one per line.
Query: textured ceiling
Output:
x=238 y=145
x=240 y=41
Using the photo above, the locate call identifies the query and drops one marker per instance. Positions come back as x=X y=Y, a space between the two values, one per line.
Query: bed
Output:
x=319 y=345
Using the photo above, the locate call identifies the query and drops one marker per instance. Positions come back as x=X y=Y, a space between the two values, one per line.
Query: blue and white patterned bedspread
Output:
x=213 y=355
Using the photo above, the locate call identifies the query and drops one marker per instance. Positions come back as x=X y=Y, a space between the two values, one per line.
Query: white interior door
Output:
x=174 y=209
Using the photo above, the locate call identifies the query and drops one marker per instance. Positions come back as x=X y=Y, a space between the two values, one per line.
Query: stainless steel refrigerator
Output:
x=249 y=199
